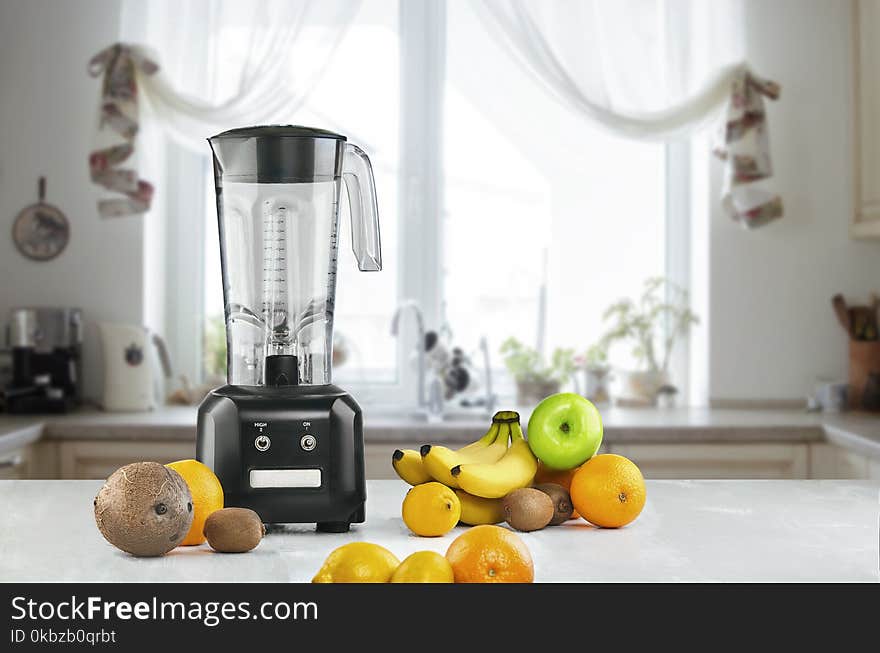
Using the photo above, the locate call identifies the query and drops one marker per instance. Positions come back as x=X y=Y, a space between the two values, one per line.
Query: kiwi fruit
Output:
x=234 y=530
x=145 y=509
x=562 y=506
x=528 y=509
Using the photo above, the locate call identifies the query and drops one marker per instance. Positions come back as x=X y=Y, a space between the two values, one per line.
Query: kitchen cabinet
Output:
x=78 y=459
x=874 y=469
x=718 y=460
x=15 y=464
x=866 y=107
x=100 y=458
x=832 y=461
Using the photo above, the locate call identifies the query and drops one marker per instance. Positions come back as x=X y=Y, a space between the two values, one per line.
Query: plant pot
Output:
x=640 y=388
x=529 y=393
x=596 y=380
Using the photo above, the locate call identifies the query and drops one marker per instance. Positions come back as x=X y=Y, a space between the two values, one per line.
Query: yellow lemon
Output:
x=431 y=509
x=207 y=494
x=424 y=567
x=358 y=562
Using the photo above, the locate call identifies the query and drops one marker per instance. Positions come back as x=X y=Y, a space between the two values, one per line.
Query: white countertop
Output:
x=772 y=531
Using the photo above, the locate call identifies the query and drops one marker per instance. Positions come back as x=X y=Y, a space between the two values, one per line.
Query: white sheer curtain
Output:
x=606 y=60
x=227 y=63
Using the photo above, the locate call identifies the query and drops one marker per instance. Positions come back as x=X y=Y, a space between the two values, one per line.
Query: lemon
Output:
x=424 y=567
x=358 y=562
x=431 y=509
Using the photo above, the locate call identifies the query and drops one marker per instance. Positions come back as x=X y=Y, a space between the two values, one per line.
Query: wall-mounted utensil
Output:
x=41 y=231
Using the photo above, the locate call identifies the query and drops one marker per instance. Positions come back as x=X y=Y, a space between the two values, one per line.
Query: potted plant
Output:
x=653 y=324
x=597 y=372
x=535 y=379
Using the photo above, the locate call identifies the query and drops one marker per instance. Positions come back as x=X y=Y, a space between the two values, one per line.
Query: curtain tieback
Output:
x=118 y=124
x=744 y=147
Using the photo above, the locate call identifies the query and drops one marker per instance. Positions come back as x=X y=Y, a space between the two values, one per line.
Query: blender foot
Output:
x=333 y=527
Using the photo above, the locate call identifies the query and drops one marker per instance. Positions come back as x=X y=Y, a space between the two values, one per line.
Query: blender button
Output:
x=308 y=442
x=262 y=442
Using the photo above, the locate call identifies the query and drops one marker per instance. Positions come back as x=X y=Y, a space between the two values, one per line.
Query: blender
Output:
x=281 y=438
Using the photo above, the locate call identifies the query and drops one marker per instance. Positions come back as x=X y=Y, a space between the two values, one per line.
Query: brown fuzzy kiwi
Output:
x=234 y=530
x=528 y=509
x=145 y=509
x=562 y=506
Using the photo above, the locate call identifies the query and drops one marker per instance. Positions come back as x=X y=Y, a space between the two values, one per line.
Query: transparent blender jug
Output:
x=278 y=191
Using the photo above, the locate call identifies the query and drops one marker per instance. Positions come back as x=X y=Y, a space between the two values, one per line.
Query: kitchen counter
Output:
x=683 y=425
x=858 y=432
x=772 y=531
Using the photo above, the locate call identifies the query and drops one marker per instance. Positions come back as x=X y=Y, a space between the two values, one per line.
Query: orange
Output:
x=490 y=554
x=559 y=476
x=207 y=495
x=608 y=490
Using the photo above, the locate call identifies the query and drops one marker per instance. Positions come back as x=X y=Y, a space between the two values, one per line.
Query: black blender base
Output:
x=357 y=517
x=296 y=428
x=342 y=526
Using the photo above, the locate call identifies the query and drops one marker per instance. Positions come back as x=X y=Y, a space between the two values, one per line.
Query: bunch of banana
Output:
x=477 y=510
x=493 y=480
x=433 y=462
x=439 y=460
x=408 y=465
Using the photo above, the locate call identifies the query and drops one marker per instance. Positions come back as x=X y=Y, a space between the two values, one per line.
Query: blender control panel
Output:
x=284 y=453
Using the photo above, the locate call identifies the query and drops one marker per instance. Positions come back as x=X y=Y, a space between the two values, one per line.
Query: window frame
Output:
x=420 y=201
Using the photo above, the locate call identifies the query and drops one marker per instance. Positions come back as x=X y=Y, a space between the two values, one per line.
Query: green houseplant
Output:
x=596 y=372
x=653 y=324
x=534 y=378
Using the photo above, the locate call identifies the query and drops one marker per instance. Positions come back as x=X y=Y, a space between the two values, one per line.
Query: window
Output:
x=502 y=213
x=537 y=198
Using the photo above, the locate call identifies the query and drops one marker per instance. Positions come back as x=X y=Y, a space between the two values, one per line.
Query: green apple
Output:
x=565 y=430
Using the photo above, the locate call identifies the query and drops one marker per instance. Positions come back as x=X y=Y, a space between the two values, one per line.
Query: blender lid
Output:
x=277 y=154
x=290 y=131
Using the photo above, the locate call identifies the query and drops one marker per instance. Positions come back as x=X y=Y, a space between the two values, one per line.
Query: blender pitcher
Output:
x=282 y=440
x=278 y=194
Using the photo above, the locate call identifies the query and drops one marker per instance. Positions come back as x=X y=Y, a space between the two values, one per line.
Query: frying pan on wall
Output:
x=41 y=231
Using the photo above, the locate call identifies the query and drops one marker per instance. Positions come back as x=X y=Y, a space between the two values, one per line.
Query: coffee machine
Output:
x=46 y=346
x=281 y=438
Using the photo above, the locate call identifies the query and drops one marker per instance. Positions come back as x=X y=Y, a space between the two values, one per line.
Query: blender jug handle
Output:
x=358 y=175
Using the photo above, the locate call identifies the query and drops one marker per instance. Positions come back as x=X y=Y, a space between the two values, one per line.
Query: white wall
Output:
x=47 y=116
x=772 y=329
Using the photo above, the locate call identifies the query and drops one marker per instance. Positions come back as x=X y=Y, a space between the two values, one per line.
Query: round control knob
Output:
x=308 y=442
x=262 y=442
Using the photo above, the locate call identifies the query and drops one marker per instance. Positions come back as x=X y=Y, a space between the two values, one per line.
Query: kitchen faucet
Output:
x=420 y=350
x=487 y=366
